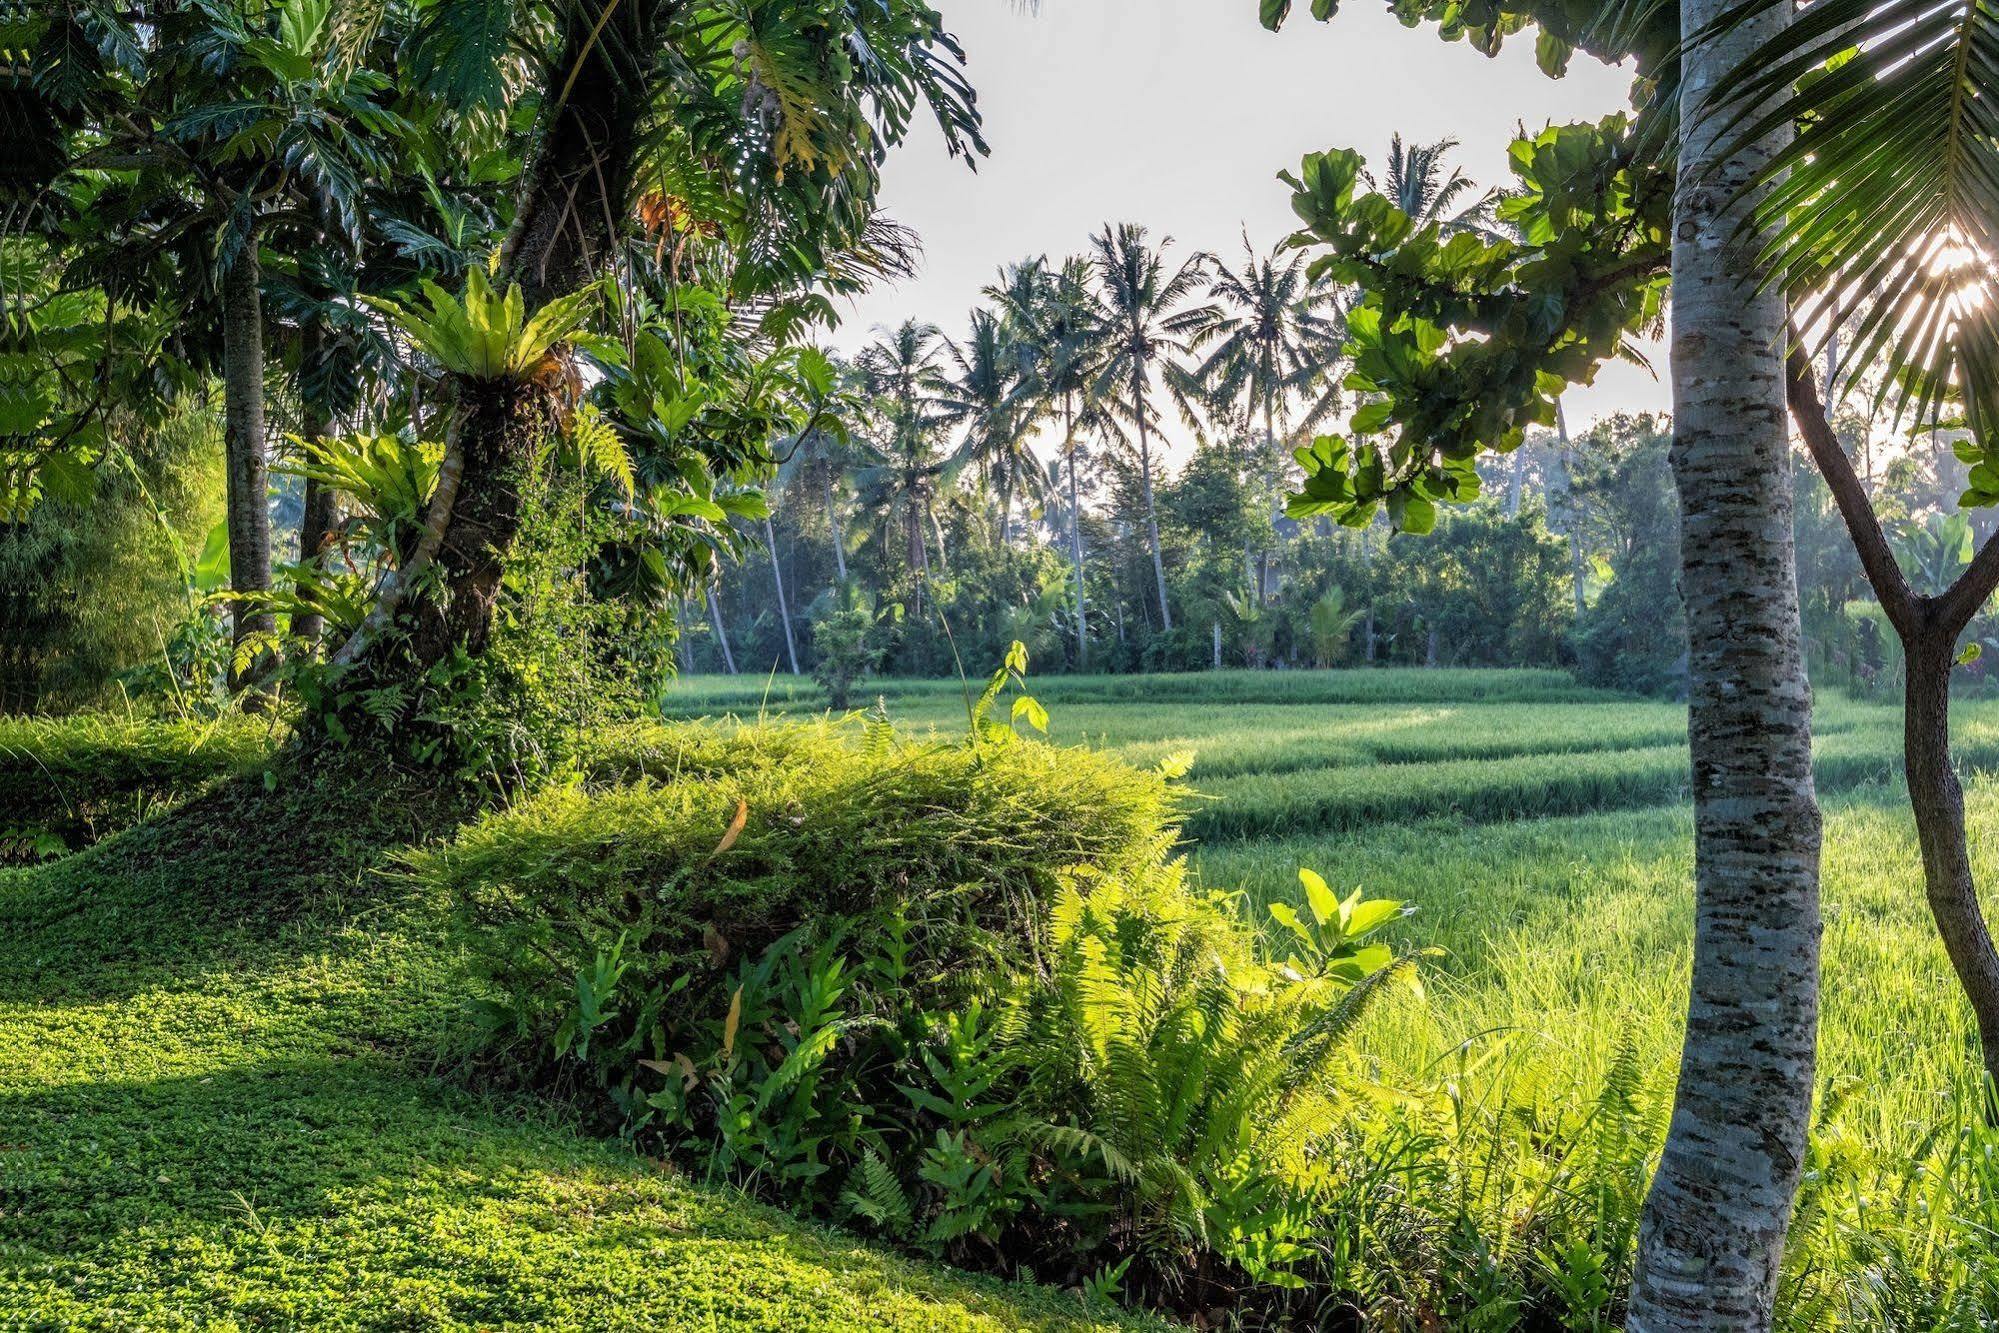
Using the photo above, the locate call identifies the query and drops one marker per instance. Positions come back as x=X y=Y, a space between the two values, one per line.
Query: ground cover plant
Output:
x=224 y=1079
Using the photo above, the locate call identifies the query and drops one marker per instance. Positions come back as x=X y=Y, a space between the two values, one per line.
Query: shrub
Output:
x=843 y=633
x=955 y=994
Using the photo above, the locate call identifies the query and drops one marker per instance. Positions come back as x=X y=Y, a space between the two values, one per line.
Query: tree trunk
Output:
x=1711 y=1236
x=1006 y=507
x=833 y=523
x=1928 y=628
x=721 y=635
x=1151 y=515
x=1937 y=800
x=245 y=449
x=316 y=512
x=1076 y=535
x=1516 y=481
x=783 y=608
x=1571 y=517
x=571 y=196
x=1217 y=627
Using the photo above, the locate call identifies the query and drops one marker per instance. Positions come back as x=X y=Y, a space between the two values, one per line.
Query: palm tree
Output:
x=902 y=472
x=981 y=397
x=1422 y=184
x=1062 y=338
x=1146 y=319
x=1275 y=334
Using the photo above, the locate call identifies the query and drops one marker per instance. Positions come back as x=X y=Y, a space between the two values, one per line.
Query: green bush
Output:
x=955 y=994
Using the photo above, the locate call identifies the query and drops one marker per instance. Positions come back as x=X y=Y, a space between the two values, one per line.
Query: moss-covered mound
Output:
x=693 y=842
x=65 y=782
x=957 y=994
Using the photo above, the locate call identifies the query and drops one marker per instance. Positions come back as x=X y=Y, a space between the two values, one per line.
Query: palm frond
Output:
x=1883 y=211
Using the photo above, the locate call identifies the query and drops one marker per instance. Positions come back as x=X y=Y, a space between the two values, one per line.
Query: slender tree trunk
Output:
x=1369 y=637
x=919 y=557
x=1937 y=800
x=1928 y=628
x=1711 y=1236
x=245 y=448
x=1516 y=481
x=1076 y=534
x=1151 y=515
x=1006 y=506
x=783 y=607
x=721 y=635
x=833 y=524
x=1578 y=567
x=316 y=512
x=1217 y=628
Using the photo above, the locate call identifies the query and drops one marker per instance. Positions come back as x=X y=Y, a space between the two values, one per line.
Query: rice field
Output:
x=1543 y=833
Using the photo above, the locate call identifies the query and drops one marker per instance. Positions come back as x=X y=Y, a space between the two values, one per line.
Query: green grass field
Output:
x=223 y=1102
x=1544 y=835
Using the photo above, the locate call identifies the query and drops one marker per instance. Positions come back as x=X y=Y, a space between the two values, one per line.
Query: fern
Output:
x=879 y=1197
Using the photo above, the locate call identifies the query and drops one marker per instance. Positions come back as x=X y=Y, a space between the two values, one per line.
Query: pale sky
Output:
x=1178 y=114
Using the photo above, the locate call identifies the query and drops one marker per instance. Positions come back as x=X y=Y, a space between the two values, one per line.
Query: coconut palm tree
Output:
x=1272 y=334
x=1062 y=337
x=902 y=473
x=1147 y=323
x=1424 y=185
x=980 y=395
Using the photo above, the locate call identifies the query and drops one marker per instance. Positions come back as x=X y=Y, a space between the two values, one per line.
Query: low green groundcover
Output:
x=223 y=1104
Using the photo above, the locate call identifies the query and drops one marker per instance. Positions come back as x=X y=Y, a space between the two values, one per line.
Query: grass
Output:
x=222 y=1106
x=1547 y=847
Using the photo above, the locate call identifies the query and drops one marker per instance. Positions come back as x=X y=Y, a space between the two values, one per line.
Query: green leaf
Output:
x=1325 y=904
x=1371 y=915
x=1284 y=914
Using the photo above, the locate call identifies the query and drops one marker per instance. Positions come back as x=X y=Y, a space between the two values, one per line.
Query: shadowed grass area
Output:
x=222 y=1103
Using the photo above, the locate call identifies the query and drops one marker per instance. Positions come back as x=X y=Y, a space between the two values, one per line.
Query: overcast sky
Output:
x=1178 y=114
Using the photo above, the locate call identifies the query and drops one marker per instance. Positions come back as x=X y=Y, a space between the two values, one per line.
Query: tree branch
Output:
x=1905 y=610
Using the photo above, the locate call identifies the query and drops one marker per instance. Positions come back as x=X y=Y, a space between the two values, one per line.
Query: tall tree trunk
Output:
x=833 y=524
x=1516 y=480
x=1216 y=628
x=1076 y=534
x=783 y=608
x=721 y=635
x=1937 y=800
x=568 y=205
x=1711 y=1236
x=316 y=512
x=1151 y=515
x=245 y=449
x=1006 y=506
x=1572 y=517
